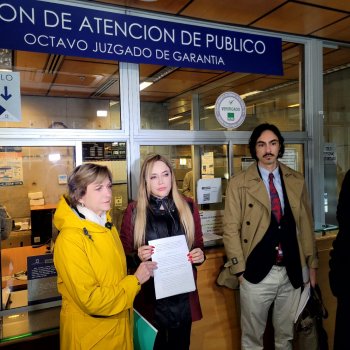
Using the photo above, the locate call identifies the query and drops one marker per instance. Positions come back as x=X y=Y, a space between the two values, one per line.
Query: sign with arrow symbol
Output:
x=10 y=97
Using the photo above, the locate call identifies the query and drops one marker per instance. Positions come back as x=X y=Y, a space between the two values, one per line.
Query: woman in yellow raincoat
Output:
x=97 y=294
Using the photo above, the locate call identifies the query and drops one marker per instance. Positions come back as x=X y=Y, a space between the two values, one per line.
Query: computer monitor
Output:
x=41 y=225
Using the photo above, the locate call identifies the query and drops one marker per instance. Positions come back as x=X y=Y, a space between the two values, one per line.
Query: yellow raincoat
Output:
x=97 y=294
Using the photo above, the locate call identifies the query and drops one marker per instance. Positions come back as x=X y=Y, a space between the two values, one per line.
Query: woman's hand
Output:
x=145 y=271
x=145 y=252
x=196 y=256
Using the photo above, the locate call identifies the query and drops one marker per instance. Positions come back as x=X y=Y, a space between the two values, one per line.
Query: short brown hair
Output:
x=82 y=176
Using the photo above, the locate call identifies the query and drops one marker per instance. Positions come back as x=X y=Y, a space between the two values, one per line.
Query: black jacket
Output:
x=263 y=256
x=340 y=255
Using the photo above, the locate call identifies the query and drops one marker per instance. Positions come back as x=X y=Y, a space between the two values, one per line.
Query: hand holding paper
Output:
x=145 y=271
x=196 y=256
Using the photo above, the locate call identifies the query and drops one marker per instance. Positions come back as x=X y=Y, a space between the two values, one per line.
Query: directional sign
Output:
x=10 y=97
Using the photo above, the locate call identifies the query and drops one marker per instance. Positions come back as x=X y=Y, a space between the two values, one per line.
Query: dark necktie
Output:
x=275 y=200
x=276 y=210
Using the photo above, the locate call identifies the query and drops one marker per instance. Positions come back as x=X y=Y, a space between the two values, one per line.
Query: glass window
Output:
x=336 y=80
x=194 y=163
x=32 y=181
x=184 y=99
x=113 y=155
x=293 y=157
x=179 y=156
x=66 y=92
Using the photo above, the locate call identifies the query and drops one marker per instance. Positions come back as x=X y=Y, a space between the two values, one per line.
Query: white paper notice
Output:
x=305 y=296
x=174 y=273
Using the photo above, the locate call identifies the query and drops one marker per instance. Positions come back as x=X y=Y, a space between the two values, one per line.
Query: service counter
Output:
x=220 y=326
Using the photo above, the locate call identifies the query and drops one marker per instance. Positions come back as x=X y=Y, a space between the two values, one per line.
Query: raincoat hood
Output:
x=97 y=294
x=68 y=218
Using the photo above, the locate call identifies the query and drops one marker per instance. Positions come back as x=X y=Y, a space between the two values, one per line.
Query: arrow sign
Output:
x=10 y=97
x=6 y=96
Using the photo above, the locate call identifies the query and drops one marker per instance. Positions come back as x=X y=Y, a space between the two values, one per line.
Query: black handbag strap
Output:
x=316 y=295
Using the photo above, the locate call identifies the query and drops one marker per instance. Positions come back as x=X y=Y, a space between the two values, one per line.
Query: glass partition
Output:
x=197 y=165
x=113 y=155
x=293 y=157
x=62 y=92
x=336 y=80
x=184 y=99
x=32 y=181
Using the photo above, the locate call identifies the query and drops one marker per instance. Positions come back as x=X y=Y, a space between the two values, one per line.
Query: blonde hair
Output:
x=144 y=192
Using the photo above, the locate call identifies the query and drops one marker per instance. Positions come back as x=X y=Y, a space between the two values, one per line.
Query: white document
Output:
x=209 y=191
x=174 y=273
x=305 y=295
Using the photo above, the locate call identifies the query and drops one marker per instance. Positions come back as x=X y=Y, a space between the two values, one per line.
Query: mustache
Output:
x=268 y=155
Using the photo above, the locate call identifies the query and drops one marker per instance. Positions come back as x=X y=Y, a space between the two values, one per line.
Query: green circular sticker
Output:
x=230 y=110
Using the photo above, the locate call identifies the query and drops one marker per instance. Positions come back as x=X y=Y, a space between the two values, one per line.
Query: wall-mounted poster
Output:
x=104 y=151
x=208 y=165
x=290 y=158
x=209 y=191
x=11 y=166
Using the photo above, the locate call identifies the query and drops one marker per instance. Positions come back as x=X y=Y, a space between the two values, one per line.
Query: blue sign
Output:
x=10 y=97
x=42 y=279
x=76 y=30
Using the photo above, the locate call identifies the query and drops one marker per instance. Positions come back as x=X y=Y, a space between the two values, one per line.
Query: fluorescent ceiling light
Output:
x=243 y=96
x=183 y=161
x=145 y=85
x=174 y=118
x=54 y=157
x=295 y=105
x=102 y=114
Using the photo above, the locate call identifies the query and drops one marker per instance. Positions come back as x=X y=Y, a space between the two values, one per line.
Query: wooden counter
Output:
x=220 y=326
x=14 y=260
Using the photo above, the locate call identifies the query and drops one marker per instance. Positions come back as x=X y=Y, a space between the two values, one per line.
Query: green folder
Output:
x=144 y=333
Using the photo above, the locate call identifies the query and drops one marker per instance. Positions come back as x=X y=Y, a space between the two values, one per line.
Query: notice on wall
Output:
x=330 y=153
x=42 y=279
x=246 y=162
x=207 y=165
x=11 y=167
x=212 y=226
x=209 y=191
x=290 y=158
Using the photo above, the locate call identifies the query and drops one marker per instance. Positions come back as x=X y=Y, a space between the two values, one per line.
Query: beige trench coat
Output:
x=248 y=212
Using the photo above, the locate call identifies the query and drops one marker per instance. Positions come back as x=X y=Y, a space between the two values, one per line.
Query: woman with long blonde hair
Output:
x=159 y=212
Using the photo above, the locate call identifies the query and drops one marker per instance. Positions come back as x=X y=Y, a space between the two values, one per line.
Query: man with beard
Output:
x=269 y=240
